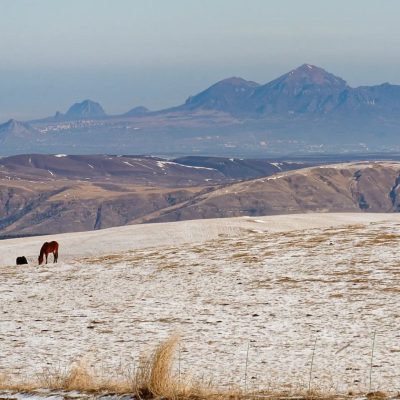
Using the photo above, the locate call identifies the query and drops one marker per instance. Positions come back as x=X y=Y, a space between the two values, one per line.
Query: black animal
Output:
x=22 y=260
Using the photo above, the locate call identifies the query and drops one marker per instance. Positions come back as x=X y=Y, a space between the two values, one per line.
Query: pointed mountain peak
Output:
x=13 y=124
x=309 y=67
x=85 y=109
x=15 y=130
x=305 y=89
x=311 y=74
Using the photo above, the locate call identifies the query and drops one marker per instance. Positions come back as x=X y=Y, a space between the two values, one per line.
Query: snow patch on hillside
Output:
x=277 y=283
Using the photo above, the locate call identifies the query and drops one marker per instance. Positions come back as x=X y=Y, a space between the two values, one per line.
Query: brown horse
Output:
x=48 y=247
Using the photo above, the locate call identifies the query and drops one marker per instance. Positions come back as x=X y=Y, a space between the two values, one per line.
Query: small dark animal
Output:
x=22 y=260
x=47 y=248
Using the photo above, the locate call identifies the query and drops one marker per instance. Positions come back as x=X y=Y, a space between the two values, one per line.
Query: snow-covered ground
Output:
x=273 y=286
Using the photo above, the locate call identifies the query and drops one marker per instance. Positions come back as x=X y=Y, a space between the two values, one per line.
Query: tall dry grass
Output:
x=77 y=377
x=154 y=377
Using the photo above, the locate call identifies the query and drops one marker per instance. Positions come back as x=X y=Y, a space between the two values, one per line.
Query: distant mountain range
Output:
x=306 y=110
x=307 y=90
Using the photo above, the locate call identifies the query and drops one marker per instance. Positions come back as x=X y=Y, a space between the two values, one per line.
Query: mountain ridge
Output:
x=228 y=94
x=304 y=111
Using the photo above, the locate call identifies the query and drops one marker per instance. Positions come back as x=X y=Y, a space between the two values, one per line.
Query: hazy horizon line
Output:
x=119 y=109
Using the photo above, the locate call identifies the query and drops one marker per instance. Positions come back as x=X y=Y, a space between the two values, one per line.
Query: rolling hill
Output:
x=351 y=187
x=58 y=193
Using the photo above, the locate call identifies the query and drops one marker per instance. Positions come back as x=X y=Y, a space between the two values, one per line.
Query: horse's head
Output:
x=40 y=259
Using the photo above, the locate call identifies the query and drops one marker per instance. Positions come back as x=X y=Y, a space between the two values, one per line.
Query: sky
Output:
x=156 y=53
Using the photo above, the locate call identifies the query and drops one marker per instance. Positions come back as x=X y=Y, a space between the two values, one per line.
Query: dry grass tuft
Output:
x=77 y=377
x=155 y=377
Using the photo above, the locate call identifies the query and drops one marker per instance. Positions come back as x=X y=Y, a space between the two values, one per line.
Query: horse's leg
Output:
x=55 y=256
x=47 y=255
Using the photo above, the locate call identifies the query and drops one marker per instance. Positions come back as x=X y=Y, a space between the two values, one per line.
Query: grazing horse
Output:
x=48 y=247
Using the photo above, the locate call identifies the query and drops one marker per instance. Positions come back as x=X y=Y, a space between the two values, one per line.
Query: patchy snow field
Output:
x=275 y=283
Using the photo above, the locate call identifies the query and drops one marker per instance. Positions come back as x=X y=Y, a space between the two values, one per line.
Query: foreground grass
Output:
x=154 y=379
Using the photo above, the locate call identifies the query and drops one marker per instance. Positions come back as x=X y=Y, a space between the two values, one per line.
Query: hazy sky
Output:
x=156 y=53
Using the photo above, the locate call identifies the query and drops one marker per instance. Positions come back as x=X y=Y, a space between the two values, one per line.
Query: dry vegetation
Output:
x=152 y=378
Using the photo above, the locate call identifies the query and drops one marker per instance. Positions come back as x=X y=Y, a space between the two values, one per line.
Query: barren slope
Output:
x=72 y=206
x=58 y=193
x=53 y=194
x=352 y=187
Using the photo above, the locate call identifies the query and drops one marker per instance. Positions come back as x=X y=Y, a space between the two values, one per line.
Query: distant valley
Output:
x=305 y=111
